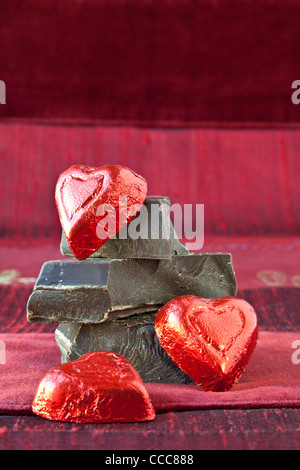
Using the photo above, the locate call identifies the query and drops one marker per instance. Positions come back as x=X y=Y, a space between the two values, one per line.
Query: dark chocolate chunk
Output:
x=133 y=338
x=97 y=290
x=150 y=235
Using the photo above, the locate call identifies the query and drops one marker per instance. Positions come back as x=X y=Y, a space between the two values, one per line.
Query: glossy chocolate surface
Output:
x=97 y=290
x=133 y=337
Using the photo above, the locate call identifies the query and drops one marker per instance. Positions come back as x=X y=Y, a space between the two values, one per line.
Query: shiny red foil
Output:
x=81 y=191
x=210 y=340
x=99 y=387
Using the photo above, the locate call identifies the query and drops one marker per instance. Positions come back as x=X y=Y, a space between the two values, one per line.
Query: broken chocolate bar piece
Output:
x=97 y=290
x=150 y=235
x=133 y=338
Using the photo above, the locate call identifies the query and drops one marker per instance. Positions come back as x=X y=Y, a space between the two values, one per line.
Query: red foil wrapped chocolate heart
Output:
x=210 y=340
x=94 y=204
x=99 y=387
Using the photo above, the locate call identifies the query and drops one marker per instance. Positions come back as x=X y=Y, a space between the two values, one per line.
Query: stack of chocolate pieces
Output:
x=109 y=300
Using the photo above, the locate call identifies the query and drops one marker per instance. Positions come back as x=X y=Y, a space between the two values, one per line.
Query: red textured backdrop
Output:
x=195 y=96
x=183 y=69
x=150 y=62
x=247 y=179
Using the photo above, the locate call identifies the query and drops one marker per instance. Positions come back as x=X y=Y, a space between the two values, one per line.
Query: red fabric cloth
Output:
x=270 y=380
x=150 y=62
x=248 y=180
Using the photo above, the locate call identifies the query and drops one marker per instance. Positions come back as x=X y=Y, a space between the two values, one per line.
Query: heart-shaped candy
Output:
x=210 y=340
x=94 y=204
x=99 y=387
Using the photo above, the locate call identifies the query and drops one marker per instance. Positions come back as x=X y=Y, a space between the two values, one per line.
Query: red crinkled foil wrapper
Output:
x=81 y=191
x=99 y=387
x=212 y=341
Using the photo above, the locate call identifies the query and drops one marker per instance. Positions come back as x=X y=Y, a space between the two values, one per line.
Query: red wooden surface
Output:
x=277 y=310
x=263 y=429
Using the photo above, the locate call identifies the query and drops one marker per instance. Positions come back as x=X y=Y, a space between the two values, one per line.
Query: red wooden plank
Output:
x=262 y=429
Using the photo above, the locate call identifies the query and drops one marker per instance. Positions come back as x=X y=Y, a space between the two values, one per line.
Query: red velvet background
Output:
x=196 y=96
x=247 y=179
x=150 y=62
